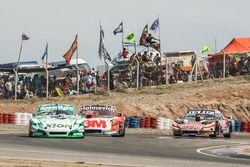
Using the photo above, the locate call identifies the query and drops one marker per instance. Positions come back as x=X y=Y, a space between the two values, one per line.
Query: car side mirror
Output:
x=119 y=115
x=179 y=120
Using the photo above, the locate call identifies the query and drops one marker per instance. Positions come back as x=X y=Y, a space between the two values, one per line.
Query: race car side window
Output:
x=218 y=116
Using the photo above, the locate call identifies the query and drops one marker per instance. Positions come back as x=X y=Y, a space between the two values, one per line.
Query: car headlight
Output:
x=79 y=123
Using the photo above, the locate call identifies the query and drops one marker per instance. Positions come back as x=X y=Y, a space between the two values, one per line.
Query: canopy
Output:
x=238 y=45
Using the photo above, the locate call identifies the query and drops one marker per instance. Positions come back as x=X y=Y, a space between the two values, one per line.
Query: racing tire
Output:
x=121 y=132
x=30 y=133
x=228 y=135
x=176 y=134
x=215 y=132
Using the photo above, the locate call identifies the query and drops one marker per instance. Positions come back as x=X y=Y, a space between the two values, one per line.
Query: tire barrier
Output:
x=5 y=118
x=153 y=122
x=127 y=122
x=237 y=126
x=1 y=118
x=248 y=129
x=22 y=118
x=244 y=127
x=147 y=122
x=164 y=123
x=142 y=122
x=134 y=122
x=11 y=119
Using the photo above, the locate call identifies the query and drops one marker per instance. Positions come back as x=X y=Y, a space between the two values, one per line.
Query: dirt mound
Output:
x=231 y=96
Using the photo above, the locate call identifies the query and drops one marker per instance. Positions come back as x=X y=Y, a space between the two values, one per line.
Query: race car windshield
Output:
x=55 y=112
x=98 y=113
x=208 y=115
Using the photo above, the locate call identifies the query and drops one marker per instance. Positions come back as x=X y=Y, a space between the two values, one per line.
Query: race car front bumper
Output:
x=75 y=133
x=100 y=132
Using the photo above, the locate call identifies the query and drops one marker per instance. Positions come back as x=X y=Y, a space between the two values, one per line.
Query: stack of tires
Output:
x=244 y=126
x=248 y=129
x=1 y=118
x=237 y=126
x=22 y=118
x=127 y=122
x=5 y=118
x=11 y=119
x=134 y=122
x=160 y=123
x=147 y=122
x=153 y=122
x=142 y=122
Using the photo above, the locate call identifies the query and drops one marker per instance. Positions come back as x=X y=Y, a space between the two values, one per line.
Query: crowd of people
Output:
x=151 y=72
x=28 y=86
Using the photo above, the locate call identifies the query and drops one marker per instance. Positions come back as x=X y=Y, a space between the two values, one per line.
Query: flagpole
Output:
x=47 y=74
x=77 y=68
x=122 y=36
x=159 y=33
x=16 y=71
x=148 y=44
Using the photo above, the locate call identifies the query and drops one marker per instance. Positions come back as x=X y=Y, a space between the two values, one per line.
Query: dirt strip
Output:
x=43 y=163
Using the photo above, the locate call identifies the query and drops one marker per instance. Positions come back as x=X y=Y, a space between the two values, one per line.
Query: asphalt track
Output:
x=136 y=150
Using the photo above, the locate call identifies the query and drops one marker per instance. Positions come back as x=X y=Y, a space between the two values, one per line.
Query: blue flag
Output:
x=155 y=25
x=119 y=29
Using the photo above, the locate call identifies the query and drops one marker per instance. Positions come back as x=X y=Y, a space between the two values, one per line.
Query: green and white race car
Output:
x=56 y=120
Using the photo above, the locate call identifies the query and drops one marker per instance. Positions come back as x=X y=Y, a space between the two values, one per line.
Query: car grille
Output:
x=93 y=131
x=57 y=133
x=190 y=132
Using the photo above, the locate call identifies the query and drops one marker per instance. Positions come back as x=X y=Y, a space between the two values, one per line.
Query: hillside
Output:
x=231 y=96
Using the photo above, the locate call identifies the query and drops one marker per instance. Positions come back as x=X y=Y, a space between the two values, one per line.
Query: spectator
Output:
x=157 y=59
x=8 y=87
x=124 y=53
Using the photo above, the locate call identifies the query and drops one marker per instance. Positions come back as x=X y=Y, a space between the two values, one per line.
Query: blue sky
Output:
x=184 y=25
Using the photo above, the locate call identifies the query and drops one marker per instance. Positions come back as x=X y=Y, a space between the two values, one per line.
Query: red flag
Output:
x=143 y=39
x=68 y=55
x=25 y=37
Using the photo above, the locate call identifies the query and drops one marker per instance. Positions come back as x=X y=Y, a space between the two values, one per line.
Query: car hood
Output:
x=58 y=123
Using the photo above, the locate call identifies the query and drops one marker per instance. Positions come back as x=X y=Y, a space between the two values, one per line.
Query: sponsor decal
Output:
x=56 y=107
x=105 y=108
x=59 y=126
x=95 y=124
x=190 y=126
x=209 y=112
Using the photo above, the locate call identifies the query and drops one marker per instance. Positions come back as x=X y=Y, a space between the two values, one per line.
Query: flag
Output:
x=106 y=55
x=68 y=55
x=143 y=38
x=155 y=25
x=119 y=29
x=25 y=37
x=101 y=50
x=45 y=54
x=128 y=43
x=130 y=37
x=156 y=46
x=205 y=48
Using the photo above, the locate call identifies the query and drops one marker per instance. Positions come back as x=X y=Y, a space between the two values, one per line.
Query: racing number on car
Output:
x=95 y=124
